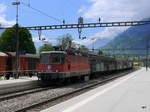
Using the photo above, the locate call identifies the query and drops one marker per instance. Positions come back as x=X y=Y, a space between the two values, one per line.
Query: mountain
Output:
x=99 y=43
x=133 y=37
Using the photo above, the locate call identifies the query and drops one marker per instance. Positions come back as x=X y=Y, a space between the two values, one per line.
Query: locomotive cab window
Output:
x=44 y=58
x=57 y=58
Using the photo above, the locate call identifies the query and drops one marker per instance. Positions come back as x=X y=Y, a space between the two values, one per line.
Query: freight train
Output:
x=60 y=65
x=28 y=64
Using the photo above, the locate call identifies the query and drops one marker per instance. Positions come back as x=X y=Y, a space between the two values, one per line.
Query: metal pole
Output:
x=93 y=46
x=147 y=54
x=17 y=38
x=93 y=39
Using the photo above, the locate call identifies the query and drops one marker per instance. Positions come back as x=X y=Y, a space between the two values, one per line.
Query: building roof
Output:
x=49 y=52
x=3 y=54
x=26 y=55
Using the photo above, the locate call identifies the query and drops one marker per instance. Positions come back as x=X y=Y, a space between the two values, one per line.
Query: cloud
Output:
x=36 y=40
x=105 y=33
x=2 y=8
x=3 y=20
x=82 y=9
x=108 y=33
x=45 y=40
x=110 y=10
x=85 y=42
x=118 y=10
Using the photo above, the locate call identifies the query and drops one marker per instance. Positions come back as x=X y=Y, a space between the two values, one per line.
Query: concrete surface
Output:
x=130 y=93
x=14 y=84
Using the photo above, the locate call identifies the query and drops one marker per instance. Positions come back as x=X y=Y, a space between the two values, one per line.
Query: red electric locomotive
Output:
x=63 y=65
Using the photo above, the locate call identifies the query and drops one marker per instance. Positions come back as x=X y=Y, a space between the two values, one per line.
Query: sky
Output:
x=70 y=11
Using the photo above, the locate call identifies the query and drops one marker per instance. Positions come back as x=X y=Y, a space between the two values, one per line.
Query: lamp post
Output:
x=17 y=3
x=147 y=49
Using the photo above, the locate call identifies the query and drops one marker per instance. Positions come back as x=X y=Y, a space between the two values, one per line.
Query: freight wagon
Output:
x=28 y=64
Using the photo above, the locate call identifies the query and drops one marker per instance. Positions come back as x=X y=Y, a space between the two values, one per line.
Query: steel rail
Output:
x=70 y=93
x=21 y=93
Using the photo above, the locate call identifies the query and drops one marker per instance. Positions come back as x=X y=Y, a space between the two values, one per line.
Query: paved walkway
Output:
x=130 y=93
x=21 y=79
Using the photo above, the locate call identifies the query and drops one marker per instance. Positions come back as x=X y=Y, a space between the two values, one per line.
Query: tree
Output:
x=100 y=52
x=46 y=47
x=65 y=41
x=83 y=48
x=8 y=41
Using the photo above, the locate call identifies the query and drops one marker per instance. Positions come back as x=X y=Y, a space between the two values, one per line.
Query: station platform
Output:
x=21 y=79
x=14 y=84
x=130 y=93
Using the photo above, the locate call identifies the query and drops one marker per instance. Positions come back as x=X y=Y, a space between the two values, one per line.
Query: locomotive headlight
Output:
x=49 y=67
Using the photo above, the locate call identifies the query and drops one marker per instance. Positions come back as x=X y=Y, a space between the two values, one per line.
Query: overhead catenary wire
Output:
x=41 y=12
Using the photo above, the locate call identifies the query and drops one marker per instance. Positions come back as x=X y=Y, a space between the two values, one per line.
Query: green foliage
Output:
x=100 y=52
x=46 y=47
x=8 y=41
x=83 y=48
x=65 y=41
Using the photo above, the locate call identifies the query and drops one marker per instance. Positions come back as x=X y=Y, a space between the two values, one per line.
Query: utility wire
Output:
x=41 y=12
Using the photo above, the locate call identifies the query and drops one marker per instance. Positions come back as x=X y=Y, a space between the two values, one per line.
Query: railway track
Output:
x=37 y=106
x=21 y=93
x=6 y=89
